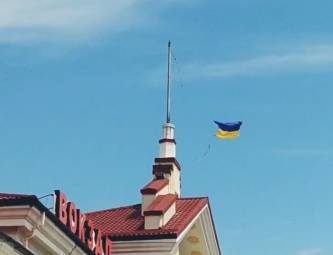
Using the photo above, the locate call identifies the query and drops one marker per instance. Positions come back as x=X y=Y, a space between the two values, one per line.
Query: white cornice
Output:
x=47 y=236
x=175 y=250
x=51 y=236
x=16 y=217
x=209 y=233
x=7 y=249
x=145 y=241
x=147 y=246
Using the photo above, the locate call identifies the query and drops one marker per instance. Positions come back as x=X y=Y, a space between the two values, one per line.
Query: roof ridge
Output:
x=112 y=209
x=191 y=198
x=128 y=206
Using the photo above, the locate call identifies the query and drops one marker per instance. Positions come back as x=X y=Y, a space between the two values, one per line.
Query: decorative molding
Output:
x=166 y=169
x=175 y=250
x=47 y=237
x=7 y=249
x=205 y=238
x=168 y=161
x=209 y=234
x=167 y=140
x=145 y=247
x=54 y=238
x=193 y=239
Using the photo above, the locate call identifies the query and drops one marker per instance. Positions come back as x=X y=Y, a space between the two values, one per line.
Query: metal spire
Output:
x=168 y=82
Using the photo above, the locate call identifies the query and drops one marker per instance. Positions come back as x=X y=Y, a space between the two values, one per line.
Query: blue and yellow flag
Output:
x=228 y=130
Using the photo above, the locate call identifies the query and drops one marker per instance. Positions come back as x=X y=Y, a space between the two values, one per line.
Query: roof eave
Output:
x=143 y=237
x=211 y=220
x=33 y=201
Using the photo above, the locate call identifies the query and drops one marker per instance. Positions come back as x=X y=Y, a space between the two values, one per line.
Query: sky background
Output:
x=82 y=104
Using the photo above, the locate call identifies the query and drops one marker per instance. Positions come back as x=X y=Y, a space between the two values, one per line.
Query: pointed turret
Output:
x=160 y=195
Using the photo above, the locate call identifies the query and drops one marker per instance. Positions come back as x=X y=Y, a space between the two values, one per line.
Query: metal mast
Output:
x=168 y=82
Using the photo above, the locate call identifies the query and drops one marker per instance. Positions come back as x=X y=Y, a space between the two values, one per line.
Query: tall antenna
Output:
x=168 y=82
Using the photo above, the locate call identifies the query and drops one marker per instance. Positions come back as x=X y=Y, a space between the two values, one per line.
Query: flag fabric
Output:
x=227 y=130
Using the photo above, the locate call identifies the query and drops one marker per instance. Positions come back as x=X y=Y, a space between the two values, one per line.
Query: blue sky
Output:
x=82 y=102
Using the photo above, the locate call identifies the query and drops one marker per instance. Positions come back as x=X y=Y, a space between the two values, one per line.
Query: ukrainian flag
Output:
x=228 y=130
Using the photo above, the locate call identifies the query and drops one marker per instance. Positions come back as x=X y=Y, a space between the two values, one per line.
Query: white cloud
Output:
x=312 y=58
x=63 y=20
x=314 y=251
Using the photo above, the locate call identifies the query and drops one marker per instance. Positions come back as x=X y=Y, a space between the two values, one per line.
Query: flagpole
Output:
x=168 y=82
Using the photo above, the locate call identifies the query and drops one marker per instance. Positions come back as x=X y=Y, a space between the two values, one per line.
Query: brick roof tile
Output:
x=127 y=221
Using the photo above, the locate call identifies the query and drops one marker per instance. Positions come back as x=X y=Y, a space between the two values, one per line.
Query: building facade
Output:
x=162 y=223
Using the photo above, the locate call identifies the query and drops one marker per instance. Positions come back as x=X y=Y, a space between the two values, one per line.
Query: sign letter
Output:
x=89 y=226
x=71 y=217
x=107 y=245
x=60 y=206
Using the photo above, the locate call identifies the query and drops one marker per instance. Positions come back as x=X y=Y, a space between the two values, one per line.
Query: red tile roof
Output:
x=4 y=196
x=154 y=186
x=160 y=205
x=128 y=222
x=124 y=223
